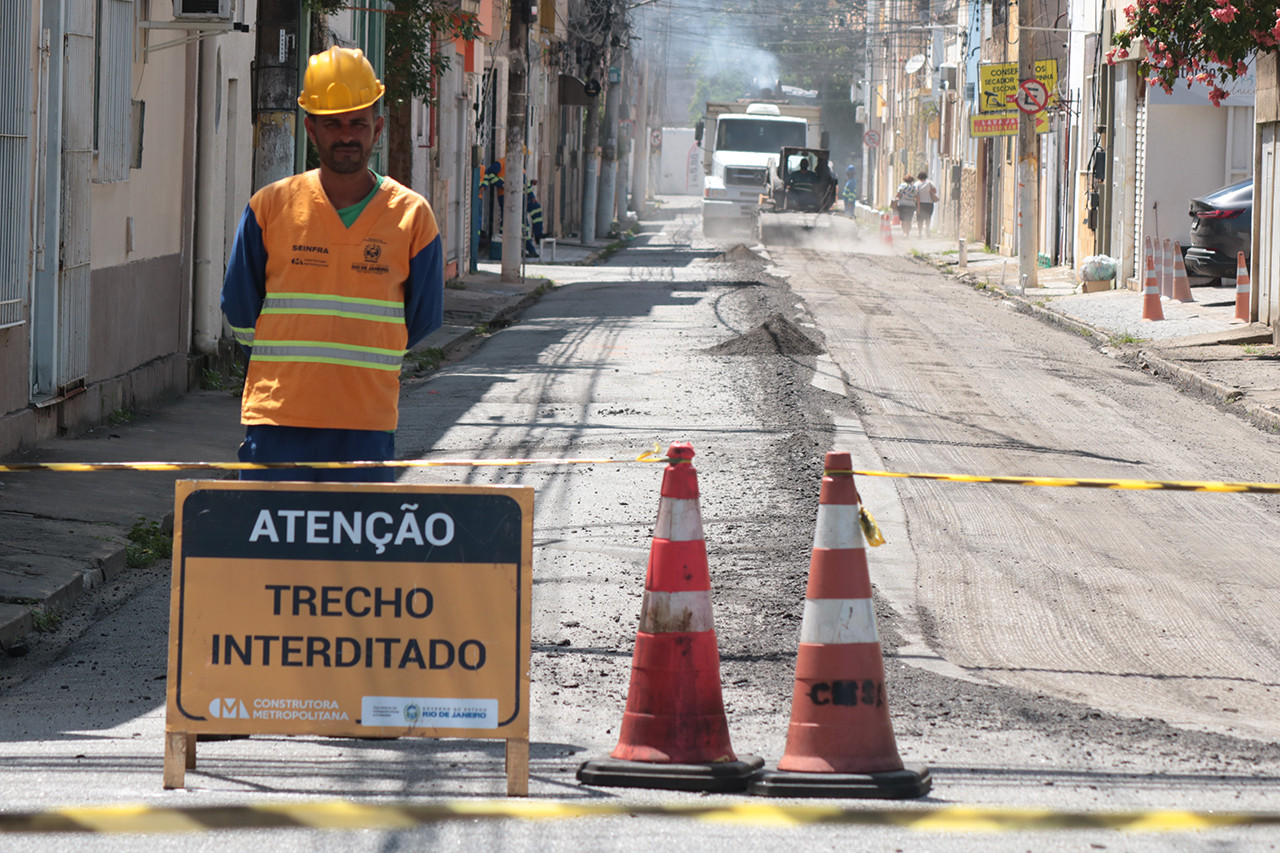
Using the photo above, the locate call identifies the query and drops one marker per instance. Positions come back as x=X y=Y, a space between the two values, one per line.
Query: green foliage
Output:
x=1207 y=41
x=415 y=30
x=228 y=378
x=421 y=361
x=45 y=621
x=756 y=44
x=147 y=543
x=1122 y=339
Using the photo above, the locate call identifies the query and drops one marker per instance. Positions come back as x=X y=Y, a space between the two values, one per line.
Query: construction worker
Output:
x=533 y=210
x=801 y=184
x=850 y=192
x=333 y=275
x=492 y=181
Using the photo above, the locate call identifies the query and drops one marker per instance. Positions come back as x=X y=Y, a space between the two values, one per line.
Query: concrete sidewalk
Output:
x=62 y=534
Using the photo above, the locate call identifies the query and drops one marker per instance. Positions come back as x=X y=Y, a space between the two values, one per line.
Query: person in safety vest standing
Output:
x=850 y=192
x=533 y=210
x=333 y=275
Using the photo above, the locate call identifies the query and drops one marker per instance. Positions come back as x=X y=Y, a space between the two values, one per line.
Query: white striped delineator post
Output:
x=840 y=740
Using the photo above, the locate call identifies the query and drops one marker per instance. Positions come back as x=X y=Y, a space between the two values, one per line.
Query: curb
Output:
x=94 y=572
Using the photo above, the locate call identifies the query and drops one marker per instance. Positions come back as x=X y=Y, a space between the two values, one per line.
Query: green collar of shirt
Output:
x=348 y=215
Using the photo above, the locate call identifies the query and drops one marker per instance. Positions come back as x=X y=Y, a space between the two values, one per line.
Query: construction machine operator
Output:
x=801 y=184
x=333 y=275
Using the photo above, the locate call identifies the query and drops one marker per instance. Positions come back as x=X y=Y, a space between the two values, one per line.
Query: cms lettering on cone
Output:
x=840 y=741
x=674 y=732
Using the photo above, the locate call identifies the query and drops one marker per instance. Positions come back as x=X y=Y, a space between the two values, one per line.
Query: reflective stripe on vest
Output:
x=243 y=336
x=348 y=307
x=324 y=352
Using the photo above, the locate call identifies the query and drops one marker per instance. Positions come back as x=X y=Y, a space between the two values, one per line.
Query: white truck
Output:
x=743 y=146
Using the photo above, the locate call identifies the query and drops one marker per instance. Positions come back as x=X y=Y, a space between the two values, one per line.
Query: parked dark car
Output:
x=1221 y=226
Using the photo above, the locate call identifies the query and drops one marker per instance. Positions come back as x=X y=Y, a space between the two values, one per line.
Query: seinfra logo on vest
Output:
x=372 y=251
x=309 y=256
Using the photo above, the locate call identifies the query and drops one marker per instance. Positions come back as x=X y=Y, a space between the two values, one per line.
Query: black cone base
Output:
x=904 y=784
x=720 y=777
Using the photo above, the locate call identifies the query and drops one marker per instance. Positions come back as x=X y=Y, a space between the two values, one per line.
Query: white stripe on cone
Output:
x=679 y=520
x=839 y=620
x=838 y=527
x=663 y=612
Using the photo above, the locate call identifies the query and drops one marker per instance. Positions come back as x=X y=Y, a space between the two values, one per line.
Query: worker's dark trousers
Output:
x=266 y=443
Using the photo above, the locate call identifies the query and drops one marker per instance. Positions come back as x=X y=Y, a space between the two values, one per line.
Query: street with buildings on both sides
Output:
x=1058 y=648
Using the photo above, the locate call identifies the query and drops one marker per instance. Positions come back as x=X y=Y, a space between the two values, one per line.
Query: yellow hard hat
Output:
x=338 y=81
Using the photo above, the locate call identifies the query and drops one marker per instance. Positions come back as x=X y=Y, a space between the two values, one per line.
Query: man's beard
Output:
x=345 y=165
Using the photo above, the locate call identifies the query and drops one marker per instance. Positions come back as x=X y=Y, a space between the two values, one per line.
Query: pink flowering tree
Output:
x=1206 y=41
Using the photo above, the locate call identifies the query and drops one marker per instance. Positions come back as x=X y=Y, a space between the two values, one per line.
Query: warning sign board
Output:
x=1003 y=124
x=350 y=609
x=998 y=84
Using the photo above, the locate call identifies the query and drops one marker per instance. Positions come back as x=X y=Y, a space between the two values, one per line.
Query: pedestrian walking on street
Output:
x=926 y=198
x=333 y=275
x=906 y=201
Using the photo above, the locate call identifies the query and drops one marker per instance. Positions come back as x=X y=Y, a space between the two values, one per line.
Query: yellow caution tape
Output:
x=347 y=814
x=1086 y=483
x=654 y=455
x=65 y=467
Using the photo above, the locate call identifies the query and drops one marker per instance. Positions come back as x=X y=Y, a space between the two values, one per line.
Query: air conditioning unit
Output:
x=202 y=10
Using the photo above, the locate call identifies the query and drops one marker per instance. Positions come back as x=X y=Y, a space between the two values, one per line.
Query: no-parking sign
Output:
x=1032 y=97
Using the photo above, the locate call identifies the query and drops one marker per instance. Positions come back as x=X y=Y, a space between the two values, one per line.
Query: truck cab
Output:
x=741 y=153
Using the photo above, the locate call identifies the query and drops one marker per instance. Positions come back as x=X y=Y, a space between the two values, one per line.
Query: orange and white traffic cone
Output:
x=1181 y=284
x=674 y=732
x=840 y=742
x=1151 y=309
x=886 y=230
x=1244 y=290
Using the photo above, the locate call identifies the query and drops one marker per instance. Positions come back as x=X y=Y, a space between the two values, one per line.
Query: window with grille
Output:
x=15 y=161
x=113 y=78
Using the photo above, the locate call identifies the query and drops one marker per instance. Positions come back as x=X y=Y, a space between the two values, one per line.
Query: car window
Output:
x=1236 y=193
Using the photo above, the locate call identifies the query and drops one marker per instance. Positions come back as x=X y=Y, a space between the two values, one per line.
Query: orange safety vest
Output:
x=330 y=339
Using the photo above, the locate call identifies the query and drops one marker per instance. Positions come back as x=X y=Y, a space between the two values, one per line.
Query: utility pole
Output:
x=640 y=142
x=590 y=139
x=277 y=126
x=609 y=150
x=523 y=12
x=1028 y=161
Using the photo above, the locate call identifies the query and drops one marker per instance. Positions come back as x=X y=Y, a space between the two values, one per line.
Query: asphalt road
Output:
x=1045 y=648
